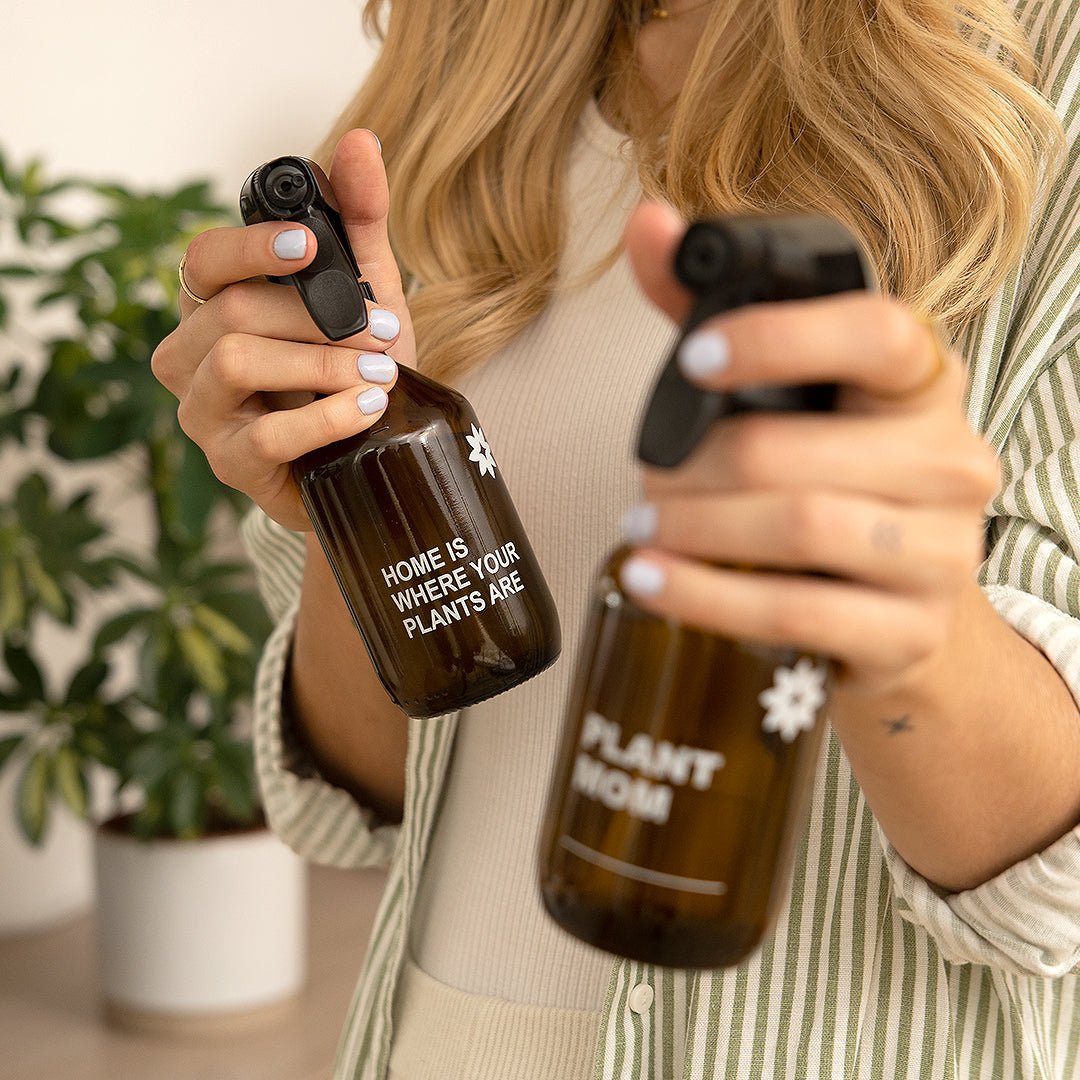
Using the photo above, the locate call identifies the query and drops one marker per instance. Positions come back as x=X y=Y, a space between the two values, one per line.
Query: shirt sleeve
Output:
x=1026 y=920
x=316 y=819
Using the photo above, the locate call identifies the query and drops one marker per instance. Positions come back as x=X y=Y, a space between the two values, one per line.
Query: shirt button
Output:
x=641 y=998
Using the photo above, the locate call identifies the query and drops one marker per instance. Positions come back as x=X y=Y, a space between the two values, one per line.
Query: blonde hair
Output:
x=914 y=122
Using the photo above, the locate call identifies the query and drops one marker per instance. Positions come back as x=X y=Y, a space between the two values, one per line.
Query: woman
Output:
x=933 y=928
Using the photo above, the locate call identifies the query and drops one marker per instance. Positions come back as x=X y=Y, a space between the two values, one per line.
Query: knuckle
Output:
x=971 y=549
x=976 y=471
x=897 y=330
x=236 y=305
x=228 y=359
x=765 y=328
x=988 y=471
x=199 y=248
x=965 y=556
x=265 y=439
x=953 y=556
x=254 y=247
x=163 y=361
x=186 y=417
x=326 y=426
x=330 y=368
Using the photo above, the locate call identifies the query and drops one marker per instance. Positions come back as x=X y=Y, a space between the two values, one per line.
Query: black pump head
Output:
x=727 y=263
x=295 y=189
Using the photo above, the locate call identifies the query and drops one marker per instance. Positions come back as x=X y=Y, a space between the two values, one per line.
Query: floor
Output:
x=52 y=1025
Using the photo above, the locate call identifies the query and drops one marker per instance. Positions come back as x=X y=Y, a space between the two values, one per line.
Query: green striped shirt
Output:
x=871 y=972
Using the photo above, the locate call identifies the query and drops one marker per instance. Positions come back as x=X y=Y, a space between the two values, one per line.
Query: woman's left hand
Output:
x=863 y=527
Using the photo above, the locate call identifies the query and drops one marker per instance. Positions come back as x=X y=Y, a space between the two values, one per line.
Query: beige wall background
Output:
x=151 y=92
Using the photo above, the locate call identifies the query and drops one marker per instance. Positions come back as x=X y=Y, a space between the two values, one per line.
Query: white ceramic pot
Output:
x=192 y=928
x=42 y=886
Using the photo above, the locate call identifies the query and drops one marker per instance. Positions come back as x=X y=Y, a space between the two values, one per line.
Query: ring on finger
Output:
x=184 y=285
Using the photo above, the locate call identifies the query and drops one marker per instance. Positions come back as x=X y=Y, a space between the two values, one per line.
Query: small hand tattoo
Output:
x=898 y=724
x=886 y=536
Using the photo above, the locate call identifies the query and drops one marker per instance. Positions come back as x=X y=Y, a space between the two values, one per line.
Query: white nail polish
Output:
x=383 y=324
x=639 y=523
x=703 y=354
x=371 y=401
x=641 y=577
x=376 y=367
x=291 y=244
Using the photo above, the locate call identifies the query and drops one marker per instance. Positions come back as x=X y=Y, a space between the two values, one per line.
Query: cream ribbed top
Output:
x=479 y=885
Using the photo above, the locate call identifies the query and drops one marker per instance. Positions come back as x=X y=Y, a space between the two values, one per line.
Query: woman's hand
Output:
x=247 y=365
x=885 y=497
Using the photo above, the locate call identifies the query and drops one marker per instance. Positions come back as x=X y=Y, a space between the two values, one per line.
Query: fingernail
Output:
x=383 y=324
x=642 y=577
x=378 y=141
x=291 y=244
x=371 y=401
x=639 y=523
x=704 y=353
x=376 y=367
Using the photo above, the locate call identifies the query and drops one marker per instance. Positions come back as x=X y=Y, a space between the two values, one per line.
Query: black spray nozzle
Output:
x=727 y=263
x=295 y=189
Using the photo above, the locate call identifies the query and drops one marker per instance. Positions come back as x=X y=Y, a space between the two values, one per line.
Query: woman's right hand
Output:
x=257 y=383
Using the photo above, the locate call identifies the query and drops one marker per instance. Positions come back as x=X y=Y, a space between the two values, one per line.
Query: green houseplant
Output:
x=200 y=908
x=87 y=295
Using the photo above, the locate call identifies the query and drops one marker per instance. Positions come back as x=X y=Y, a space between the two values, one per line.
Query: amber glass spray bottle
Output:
x=412 y=514
x=686 y=761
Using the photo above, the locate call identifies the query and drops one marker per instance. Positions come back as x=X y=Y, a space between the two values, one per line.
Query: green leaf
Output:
x=32 y=798
x=8 y=745
x=204 y=658
x=197 y=491
x=225 y=632
x=119 y=626
x=31 y=498
x=12 y=604
x=48 y=592
x=185 y=804
x=15 y=376
x=148 y=822
x=150 y=763
x=14 y=702
x=32 y=177
x=235 y=775
x=86 y=682
x=244 y=609
x=24 y=671
x=71 y=781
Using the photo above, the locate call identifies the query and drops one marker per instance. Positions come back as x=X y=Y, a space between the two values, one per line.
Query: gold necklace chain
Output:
x=656 y=10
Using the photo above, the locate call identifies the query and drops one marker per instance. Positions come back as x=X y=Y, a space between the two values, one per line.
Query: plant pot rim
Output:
x=117 y=826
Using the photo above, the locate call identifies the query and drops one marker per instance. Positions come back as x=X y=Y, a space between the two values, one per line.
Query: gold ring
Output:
x=941 y=364
x=184 y=285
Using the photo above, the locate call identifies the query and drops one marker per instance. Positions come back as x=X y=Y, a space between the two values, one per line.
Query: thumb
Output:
x=652 y=235
x=358 y=177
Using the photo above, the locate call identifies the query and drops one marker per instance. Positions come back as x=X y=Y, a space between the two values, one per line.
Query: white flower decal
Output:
x=481 y=452
x=793 y=699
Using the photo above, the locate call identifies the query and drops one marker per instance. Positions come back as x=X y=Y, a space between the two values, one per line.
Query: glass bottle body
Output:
x=680 y=786
x=430 y=554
